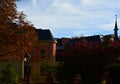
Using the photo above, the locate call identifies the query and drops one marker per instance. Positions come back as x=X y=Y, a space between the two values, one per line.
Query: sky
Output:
x=71 y=18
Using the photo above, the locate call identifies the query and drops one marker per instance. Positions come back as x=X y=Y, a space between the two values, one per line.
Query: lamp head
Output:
x=26 y=57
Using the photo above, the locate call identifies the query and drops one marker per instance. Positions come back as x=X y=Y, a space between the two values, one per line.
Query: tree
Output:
x=88 y=60
x=49 y=70
x=9 y=76
x=17 y=35
x=48 y=67
x=8 y=11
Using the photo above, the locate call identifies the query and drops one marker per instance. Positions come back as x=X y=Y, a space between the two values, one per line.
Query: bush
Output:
x=9 y=75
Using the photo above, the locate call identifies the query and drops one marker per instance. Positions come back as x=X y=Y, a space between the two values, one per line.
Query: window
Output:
x=42 y=53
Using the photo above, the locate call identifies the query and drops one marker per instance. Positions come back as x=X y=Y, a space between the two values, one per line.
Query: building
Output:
x=60 y=47
x=62 y=42
x=45 y=50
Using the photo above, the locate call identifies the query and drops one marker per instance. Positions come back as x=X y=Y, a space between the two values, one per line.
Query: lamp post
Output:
x=26 y=68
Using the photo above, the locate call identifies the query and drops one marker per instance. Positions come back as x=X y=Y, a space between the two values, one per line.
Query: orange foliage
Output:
x=17 y=35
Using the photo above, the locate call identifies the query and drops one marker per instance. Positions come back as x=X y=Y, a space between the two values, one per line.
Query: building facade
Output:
x=45 y=50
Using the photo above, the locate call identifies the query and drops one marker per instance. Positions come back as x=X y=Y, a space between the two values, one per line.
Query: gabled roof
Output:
x=45 y=35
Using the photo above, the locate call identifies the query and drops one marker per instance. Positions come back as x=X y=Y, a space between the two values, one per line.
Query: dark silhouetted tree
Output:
x=88 y=60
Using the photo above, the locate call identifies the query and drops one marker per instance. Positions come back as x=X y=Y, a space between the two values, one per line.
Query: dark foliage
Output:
x=89 y=60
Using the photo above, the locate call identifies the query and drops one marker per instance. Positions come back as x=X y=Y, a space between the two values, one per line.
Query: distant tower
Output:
x=116 y=30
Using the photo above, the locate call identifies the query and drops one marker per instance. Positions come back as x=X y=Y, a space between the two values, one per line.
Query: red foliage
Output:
x=89 y=59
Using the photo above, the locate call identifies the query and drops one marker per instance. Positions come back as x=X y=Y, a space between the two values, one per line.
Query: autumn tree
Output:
x=8 y=11
x=87 y=59
x=17 y=35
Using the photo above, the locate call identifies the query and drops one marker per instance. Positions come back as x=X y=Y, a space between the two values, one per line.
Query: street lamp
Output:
x=26 y=68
